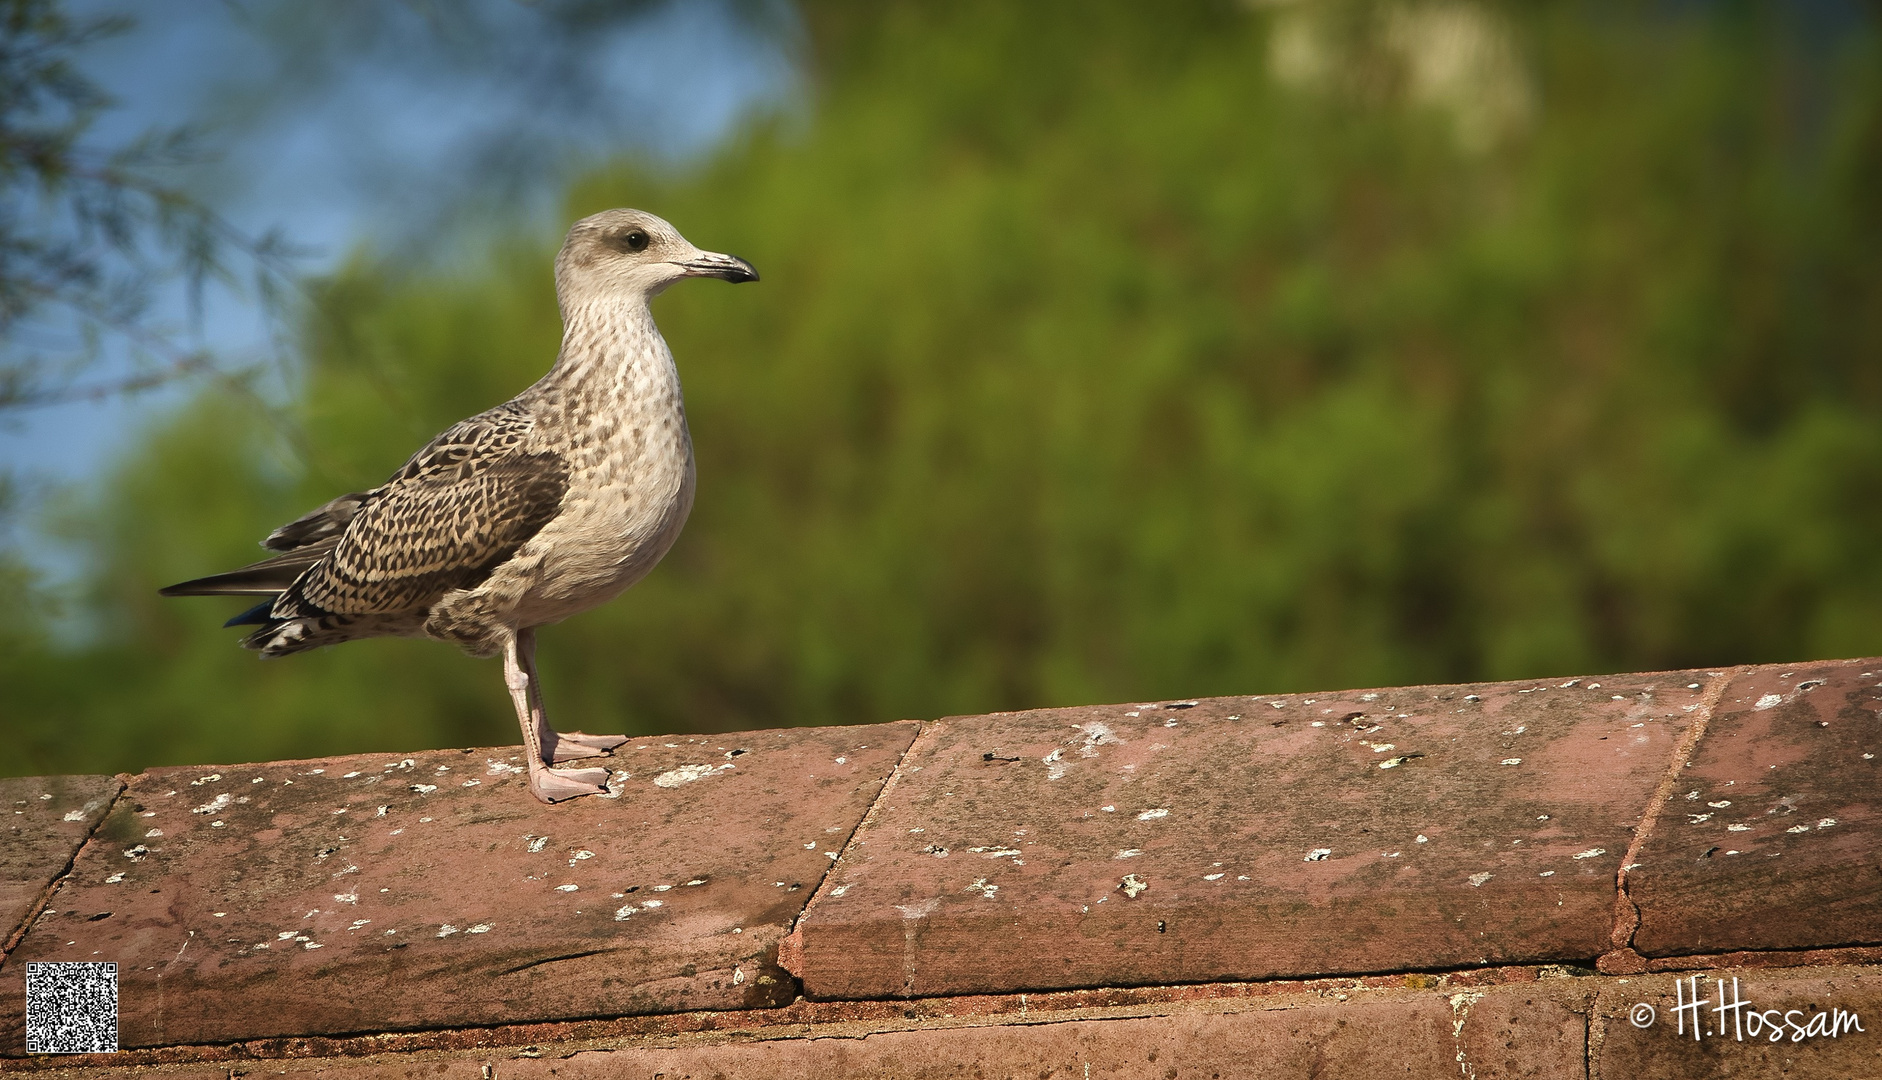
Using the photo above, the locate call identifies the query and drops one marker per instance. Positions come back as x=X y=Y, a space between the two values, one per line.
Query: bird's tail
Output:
x=267 y=576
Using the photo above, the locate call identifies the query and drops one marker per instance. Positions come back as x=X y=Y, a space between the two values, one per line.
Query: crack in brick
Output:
x=790 y=945
x=46 y=894
x=1621 y=958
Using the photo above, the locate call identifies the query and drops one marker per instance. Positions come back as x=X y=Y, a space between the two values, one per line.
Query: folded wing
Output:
x=457 y=510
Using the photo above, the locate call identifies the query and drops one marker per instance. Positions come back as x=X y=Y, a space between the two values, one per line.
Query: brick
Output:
x=47 y=818
x=1624 y=1051
x=1274 y=837
x=1399 y=1035
x=385 y=893
x=1773 y=837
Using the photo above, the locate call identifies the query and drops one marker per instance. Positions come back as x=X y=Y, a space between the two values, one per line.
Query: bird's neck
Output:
x=613 y=359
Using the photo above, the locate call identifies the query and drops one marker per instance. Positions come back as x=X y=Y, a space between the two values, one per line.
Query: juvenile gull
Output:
x=521 y=516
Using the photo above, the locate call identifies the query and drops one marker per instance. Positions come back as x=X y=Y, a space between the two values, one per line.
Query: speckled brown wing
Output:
x=457 y=510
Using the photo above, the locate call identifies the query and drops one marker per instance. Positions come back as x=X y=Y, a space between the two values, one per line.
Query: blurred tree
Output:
x=1114 y=354
x=88 y=232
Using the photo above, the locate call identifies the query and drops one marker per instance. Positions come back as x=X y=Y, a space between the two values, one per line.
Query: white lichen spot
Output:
x=1798 y=829
x=580 y=856
x=215 y=804
x=1511 y=761
x=842 y=761
x=1476 y=880
x=1738 y=828
x=350 y=775
x=480 y=928
x=686 y=774
x=347 y=897
x=115 y=878
x=567 y=888
x=1213 y=877
x=1133 y=886
x=985 y=890
x=1546 y=873
x=839 y=890
x=1590 y=853
x=1128 y=853
x=621 y=913
x=653 y=903
x=1055 y=764
x=446 y=930
x=1152 y=815
x=1381 y=747
x=1769 y=700
x=662 y=888
x=312 y=945
x=1318 y=854
x=1421 y=839
x=1826 y=823
x=1720 y=805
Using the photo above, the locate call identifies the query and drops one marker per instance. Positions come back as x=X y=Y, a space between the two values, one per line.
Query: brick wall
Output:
x=1447 y=881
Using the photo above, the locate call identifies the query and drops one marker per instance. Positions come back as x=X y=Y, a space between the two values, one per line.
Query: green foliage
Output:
x=1114 y=353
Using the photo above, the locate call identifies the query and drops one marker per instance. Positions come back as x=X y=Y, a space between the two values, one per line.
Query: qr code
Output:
x=71 y=1008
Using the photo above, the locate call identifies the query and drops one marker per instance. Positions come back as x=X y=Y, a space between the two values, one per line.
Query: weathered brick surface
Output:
x=47 y=818
x=1426 y=827
x=1773 y=838
x=1461 y=844
x=374 y=893
x=1528 y=1031
x=1624 y=1051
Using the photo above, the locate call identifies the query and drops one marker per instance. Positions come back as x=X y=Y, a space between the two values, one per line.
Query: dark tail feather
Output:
x=258 y=615
x=268 y=576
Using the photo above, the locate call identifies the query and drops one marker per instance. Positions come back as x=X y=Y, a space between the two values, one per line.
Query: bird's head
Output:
x=632 y=252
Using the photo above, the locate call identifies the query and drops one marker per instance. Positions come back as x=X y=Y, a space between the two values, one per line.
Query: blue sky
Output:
x=368 y=140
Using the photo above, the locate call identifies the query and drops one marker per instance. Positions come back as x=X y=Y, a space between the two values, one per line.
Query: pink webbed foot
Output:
x=570 y=745
x=559 y=785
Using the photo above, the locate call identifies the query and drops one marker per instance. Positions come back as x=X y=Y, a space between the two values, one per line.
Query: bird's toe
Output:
x=569 y=745
x=557 y=785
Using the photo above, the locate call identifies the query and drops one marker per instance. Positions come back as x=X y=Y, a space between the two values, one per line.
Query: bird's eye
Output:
x=635 y=240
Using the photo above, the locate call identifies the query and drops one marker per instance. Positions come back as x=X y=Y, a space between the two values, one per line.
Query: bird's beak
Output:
x=712 y=264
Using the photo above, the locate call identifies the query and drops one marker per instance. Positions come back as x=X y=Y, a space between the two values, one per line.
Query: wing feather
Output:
x=458 y=509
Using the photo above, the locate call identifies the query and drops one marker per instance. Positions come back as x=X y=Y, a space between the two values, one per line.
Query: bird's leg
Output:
x=547 y=784
x=557 y=745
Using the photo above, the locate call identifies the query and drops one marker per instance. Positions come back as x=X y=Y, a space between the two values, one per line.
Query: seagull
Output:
x=521 y=516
